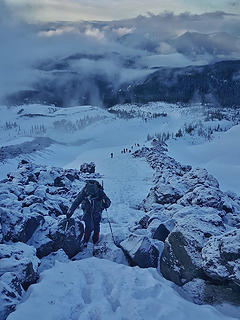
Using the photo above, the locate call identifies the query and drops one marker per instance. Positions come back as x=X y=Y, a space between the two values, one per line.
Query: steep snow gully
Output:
x=106 y=287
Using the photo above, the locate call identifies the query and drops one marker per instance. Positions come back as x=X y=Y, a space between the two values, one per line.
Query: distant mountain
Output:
x=215 y=44
x=217 y=83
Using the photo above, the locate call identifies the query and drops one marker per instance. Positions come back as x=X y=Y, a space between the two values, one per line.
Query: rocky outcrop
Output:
x=198 y=224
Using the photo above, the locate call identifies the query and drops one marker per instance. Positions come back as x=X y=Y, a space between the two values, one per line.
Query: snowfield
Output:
x=103 y=290
x=106 y=287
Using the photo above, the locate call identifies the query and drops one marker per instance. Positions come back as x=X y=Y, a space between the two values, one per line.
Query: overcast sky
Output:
x=73 y=10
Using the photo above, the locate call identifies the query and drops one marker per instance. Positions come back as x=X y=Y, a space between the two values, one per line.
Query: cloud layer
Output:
x=74 y=54
x=75 y=10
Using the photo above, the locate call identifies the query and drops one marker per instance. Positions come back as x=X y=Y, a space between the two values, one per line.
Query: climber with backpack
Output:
x=93 y=201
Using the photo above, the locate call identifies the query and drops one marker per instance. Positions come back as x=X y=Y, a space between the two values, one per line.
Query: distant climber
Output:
x=93 y=201
x=111 y=155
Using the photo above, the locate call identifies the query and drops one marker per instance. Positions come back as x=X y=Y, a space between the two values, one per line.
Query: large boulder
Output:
x=141 y=251
x=53 y=235
x=206 y=292
x=181 y=260
x=221 y=257
x=69 y=240
x=204 y=197
x=18 y=227
x=20 y=259
x=11 y=292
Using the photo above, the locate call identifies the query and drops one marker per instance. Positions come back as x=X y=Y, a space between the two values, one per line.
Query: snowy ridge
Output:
x=202 y=222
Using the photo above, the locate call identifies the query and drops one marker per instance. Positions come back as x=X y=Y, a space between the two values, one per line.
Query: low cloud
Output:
x=72 y=55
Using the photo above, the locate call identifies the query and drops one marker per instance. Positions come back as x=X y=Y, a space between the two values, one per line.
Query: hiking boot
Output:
x=95 y=238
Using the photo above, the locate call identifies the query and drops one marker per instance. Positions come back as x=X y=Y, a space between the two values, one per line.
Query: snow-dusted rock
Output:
x=18 y=227
x=162 y=194
x=198 y=176
x=11 y=292
x=141 y=250
x=181 y=260
x=221 y=257
x=88 y=167
x=161 y=233
x=51 y=237
x=69 y=241
x=204 y=197
x=206 y=292
x=20 y=259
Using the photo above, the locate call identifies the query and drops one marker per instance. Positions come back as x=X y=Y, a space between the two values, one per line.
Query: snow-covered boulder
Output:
x=206 y=292
x=181 y=260
x=20 y=259
x=18 y=227
x=141 y=251
x=69 y=240
x=204 y=197
x=221 y=257
x=11 y=292
x=162 y=194
x=54 y=235
x=88 y=167
x=198 y=176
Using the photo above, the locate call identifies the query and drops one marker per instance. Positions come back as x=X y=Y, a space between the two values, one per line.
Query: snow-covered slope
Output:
x=102 y=290
x=94 y=288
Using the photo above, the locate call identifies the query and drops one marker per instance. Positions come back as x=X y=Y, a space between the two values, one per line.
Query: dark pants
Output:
x=92 y=224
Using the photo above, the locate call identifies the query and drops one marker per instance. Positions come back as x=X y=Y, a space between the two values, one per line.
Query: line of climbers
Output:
x=126 y=150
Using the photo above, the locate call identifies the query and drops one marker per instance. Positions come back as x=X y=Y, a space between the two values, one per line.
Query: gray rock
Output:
x=205 y=292
x=221 y=257
x=69 y=241
x=144 y=221
x=181 y=260
x=204 y=197
x=141 y=251
x=161 y=233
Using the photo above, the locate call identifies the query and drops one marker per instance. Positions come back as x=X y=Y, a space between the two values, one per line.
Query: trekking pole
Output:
x=111 y=228
x=65 y=230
